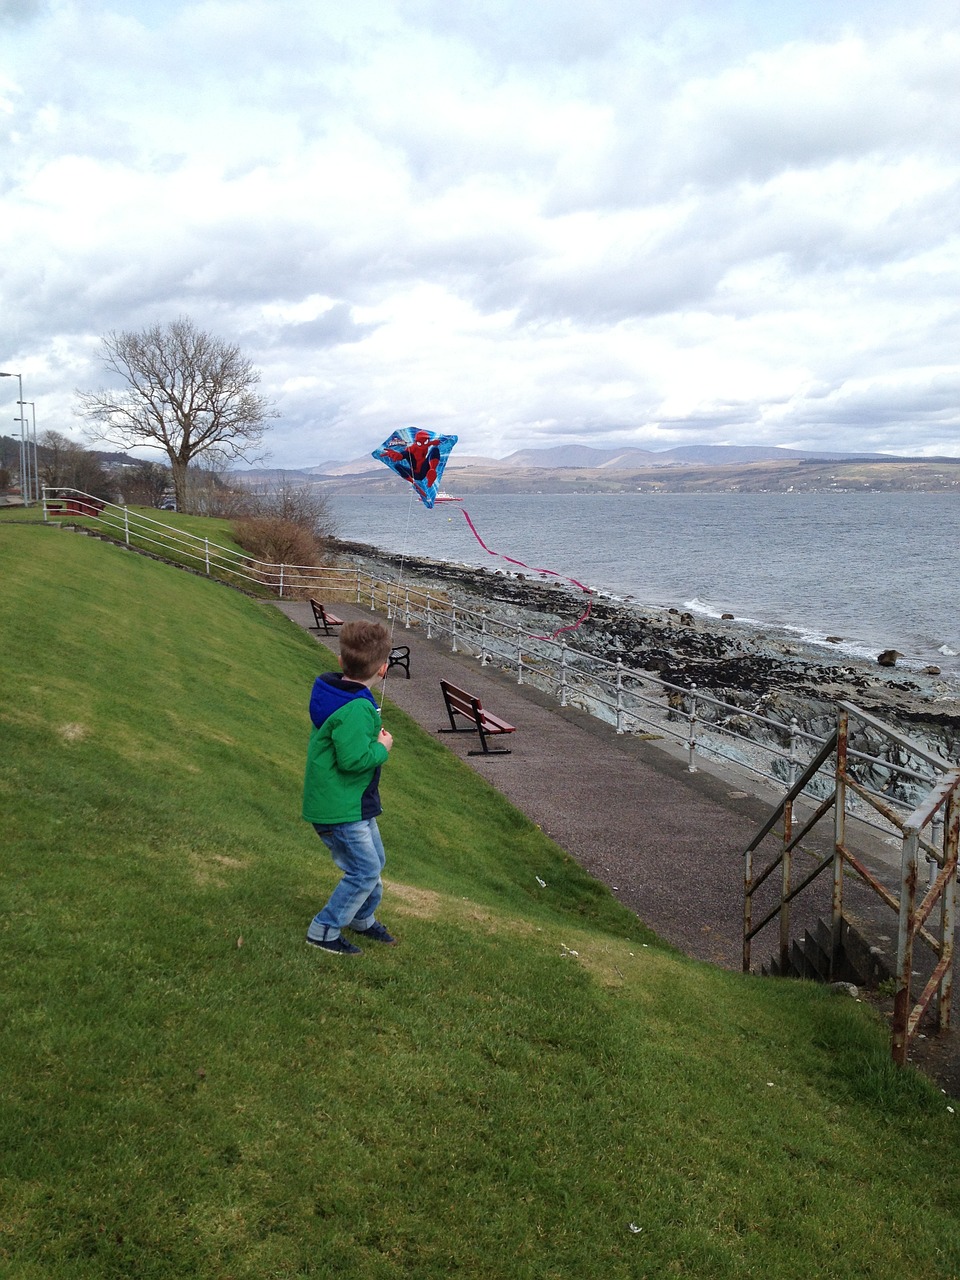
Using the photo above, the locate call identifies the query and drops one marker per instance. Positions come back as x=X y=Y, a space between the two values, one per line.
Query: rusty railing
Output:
x=931 y=830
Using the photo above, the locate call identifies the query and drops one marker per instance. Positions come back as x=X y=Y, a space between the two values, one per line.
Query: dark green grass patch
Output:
x=189 y=1090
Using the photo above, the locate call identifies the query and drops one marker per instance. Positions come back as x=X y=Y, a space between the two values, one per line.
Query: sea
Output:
x=877 y=570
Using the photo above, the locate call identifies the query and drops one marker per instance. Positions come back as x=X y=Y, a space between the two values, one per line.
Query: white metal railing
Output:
x=631 y=700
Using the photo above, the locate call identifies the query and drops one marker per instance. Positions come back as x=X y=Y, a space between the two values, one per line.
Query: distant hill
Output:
x=612 y=459
x=687 y=468
x=585 y=455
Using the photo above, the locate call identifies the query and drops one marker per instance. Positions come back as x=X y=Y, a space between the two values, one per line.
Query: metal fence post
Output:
x=206 y=553
x=453 y=627
x=519 y=653
x=839 y=830
x=563 y=673
x=483 y=637
x=794 y=747
x=429 y=617
x=126 y=525
x=948 y=909
x=619 y=695
x=692 y=733
x=406 y=609
x=906 y=928
x=281 y=581
x=936 y=839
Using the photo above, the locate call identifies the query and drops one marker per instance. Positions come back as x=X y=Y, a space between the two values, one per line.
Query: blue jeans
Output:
x=358 y=851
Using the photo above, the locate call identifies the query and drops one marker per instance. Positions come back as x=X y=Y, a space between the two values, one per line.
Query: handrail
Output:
x=631 y=700
x=943 y=796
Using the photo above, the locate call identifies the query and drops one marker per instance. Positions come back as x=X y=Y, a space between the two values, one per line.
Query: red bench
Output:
x=74 y=506
x=324 y=619
x=460 y=703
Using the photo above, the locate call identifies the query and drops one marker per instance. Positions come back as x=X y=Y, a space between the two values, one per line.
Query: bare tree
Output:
x=303 y=504
x=63 y=463
x=146 y=483
x=185 y=392
x=55 y=453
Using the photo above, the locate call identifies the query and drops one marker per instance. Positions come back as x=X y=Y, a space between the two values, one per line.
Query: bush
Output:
x=305 y=505
x=278 y=540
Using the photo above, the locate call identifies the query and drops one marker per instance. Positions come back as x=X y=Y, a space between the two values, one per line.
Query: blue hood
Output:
x=331 y=692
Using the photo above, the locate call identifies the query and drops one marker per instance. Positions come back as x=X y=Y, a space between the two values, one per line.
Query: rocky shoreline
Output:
x=738 y=664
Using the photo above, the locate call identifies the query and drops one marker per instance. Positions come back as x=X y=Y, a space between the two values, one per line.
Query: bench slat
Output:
x=459 y=702
x=323 y=618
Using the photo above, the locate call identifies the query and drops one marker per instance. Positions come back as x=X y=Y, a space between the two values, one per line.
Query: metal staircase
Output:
x=926 y=821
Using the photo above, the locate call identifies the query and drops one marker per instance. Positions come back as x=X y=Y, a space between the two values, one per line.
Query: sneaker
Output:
x=377 y=933
x=338 y=946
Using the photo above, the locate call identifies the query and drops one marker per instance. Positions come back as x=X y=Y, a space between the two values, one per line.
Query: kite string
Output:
x=393 y=620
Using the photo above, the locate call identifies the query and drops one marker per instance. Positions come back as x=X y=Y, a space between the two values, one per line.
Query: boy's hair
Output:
x=364 y=648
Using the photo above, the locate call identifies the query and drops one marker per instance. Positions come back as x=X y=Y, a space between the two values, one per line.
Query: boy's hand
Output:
x=385 y=738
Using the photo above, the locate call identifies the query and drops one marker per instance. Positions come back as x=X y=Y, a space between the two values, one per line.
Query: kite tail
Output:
x=550 y=573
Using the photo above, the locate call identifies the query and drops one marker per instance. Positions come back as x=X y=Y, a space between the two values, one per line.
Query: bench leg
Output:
x=485 y=747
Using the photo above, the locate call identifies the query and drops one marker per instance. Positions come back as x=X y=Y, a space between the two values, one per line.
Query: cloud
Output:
x=642 y=224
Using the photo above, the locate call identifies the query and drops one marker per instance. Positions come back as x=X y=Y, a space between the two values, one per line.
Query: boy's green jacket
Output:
x=343 y=756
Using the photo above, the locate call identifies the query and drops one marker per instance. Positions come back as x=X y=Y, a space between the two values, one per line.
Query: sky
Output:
x=528 y=223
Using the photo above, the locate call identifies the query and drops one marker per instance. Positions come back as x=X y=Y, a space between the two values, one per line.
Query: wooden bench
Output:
x=323 y=618
x=74 y=506
x=485 y=723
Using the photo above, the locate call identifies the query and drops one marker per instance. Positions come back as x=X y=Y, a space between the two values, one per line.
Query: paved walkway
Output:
x=669 y=843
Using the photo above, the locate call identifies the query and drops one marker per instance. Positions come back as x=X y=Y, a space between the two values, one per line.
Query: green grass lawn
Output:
x=156 y=532
x=529 y=1085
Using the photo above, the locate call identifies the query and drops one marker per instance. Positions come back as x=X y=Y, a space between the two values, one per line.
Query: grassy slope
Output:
x=178 y=1102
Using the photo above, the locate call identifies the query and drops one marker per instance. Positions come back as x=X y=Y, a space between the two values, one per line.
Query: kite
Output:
x=419 y=457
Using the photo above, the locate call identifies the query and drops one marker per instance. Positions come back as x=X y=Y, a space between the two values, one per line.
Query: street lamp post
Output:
x=32 y=445
x=24 y=461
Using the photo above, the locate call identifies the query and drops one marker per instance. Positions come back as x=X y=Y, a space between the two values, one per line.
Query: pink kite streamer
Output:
x=548 y=572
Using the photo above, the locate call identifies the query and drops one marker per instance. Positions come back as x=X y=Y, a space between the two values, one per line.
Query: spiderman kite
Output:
x=419 y=457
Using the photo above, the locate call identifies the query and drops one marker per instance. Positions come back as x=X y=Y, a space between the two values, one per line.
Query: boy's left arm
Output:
x=355 y=739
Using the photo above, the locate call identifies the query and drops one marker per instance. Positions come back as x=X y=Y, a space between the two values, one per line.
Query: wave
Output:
x=696 y=605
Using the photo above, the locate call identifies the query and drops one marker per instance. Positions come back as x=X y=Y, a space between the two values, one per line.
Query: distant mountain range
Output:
x=584 y=455
x=587 y=457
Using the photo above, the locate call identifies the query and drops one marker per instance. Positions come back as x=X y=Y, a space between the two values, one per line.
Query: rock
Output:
x=931 y=671
x=889 y=657
x=688 y=651
x=726 y=617
x=834 y=639
x=845 y=989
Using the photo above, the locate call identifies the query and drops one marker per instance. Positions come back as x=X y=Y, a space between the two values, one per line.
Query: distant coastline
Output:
x=792 y=475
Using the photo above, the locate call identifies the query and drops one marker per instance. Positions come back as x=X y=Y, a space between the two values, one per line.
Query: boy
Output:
x=340 y=795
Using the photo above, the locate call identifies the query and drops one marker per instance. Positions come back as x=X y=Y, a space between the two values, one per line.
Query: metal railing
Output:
x=633 y=701
x=930 y=830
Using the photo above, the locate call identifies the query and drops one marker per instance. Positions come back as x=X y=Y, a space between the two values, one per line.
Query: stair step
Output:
x=856 y=961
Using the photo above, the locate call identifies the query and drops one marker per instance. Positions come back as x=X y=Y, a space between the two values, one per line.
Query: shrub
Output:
x=278 y=540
